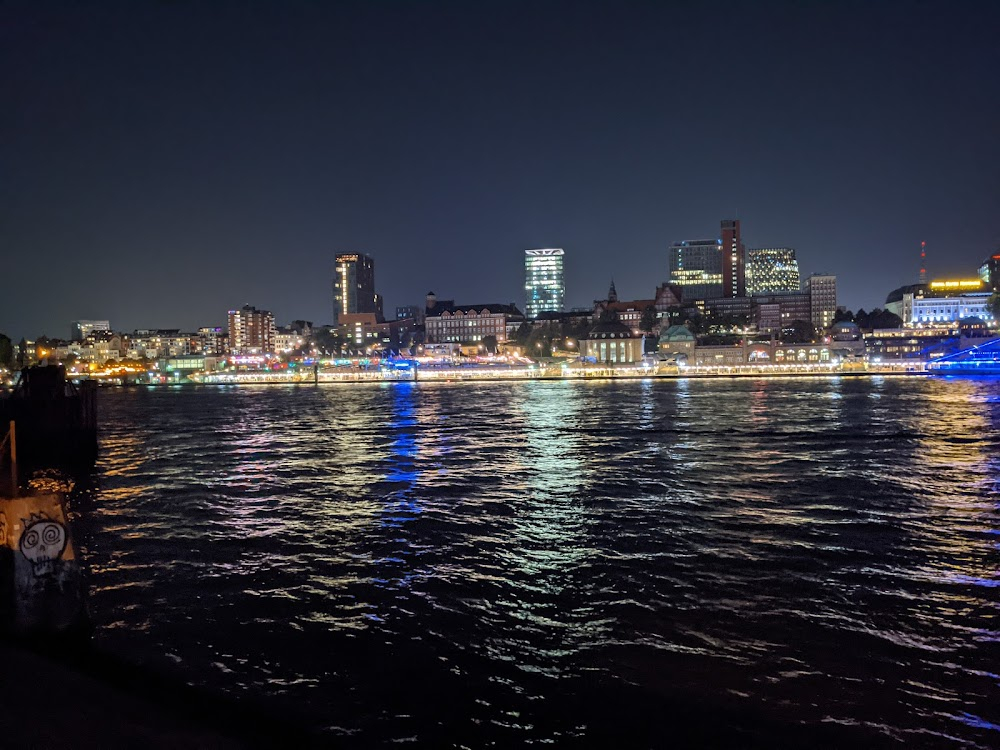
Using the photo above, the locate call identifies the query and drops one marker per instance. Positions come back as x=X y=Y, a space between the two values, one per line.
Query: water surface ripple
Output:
x=563 y=563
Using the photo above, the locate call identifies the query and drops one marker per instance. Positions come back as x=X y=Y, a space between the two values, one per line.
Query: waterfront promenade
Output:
x=549 y=371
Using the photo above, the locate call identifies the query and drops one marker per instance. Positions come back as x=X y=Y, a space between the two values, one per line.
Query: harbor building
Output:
x=544 y=284
x=354 y=286
x=941 y=302
x=772 y=270
x=448 y=323
x=950 y=309
x=612 y=343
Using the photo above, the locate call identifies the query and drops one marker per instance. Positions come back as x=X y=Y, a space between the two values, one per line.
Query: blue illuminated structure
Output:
x=977 y=360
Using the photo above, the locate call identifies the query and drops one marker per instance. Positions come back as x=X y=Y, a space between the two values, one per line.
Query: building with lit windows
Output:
x=354 y=286
x=80 y=329
x=211 y=341
x=612 y=343
x=772 y=270
x=544 y=285
x=733 y=259
x=777 y=312
x=941 y=302
x=696 y=268
x=822 y=289
x=410 y=312
x=951 y=309
x=448 y=323
x=989 y=272
x=251 y=331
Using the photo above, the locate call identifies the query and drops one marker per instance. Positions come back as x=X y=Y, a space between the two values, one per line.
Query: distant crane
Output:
x=923 y=262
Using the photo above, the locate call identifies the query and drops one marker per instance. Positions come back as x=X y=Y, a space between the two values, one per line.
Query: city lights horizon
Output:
x=166 y=163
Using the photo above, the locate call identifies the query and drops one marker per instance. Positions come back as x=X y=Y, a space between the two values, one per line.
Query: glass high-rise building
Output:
x=696 y=267
x=772 y=270
x=354 y=286
x=989 y=272
x=543 y=281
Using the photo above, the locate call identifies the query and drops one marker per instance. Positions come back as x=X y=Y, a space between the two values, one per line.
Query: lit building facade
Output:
x=354 y=286
x=80 y=329
x=822 y=289
x=612 y=343
x=775 y=312
x=544 y=285
x=951 y=309
x=772 y=270
x=941 y=302
x=733 y=259
x=410 y=312
x=696 y=268
x=762 y=353
x=152 y=343
x=287 y=340
x=469 y=324
x=251 y=331
x=211 y=341
x=989 y=272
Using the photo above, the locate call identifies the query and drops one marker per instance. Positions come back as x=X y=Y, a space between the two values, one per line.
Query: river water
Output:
x=568 y=564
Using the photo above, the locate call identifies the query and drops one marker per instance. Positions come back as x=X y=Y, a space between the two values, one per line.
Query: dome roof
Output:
x=611 y=330
x=845 y=325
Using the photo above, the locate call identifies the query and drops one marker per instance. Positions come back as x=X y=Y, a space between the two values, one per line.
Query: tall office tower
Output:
x=251 y=331
x=772 y=270
x=822 y=288
x=989 y=272
x=354 y=286
x=80 y=329
x=733 y=260
x=543 y=281
x=696 y=267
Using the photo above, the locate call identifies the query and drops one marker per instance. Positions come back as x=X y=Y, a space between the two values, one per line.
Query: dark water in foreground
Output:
x=564 y=564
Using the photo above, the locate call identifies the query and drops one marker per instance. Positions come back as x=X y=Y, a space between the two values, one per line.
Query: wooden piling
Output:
x=12 y=437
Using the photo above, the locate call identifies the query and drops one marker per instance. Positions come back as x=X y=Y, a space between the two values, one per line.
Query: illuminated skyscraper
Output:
x=772 y=270
x=696 y=267
x=354 y=286
x=543 y=281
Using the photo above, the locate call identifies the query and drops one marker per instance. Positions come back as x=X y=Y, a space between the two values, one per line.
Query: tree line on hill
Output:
x=867 y=321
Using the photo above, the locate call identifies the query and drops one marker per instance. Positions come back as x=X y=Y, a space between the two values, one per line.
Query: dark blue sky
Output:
x=161 y=163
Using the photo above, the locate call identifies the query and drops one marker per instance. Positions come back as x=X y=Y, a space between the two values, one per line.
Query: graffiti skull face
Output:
x=43 y=543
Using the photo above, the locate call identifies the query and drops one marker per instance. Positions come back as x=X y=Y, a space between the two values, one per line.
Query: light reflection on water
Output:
x=563 y=562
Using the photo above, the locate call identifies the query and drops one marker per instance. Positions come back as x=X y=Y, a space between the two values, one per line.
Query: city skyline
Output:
x=238 y=151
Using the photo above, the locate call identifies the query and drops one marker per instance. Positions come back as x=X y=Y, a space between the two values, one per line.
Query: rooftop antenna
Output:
x=923 y=262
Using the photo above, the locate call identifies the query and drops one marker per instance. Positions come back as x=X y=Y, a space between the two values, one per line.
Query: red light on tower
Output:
x=923 y=262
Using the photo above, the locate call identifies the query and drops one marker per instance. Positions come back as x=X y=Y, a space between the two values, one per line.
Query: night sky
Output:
x=161 y=163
